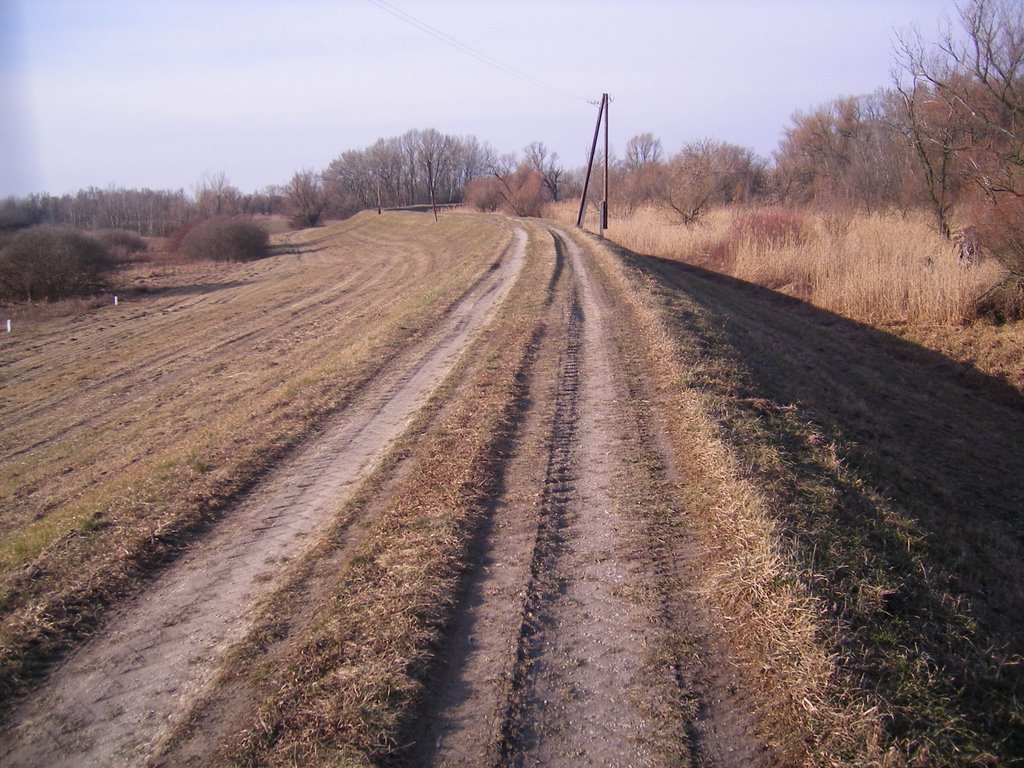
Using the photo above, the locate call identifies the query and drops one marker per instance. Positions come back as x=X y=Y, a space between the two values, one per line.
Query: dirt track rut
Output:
x=116 y=699
x=546 y=662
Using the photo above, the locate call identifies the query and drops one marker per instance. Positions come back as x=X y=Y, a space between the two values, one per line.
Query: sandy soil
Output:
x=116 y=699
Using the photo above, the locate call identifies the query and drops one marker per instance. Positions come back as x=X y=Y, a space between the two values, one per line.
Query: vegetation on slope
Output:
x=858 y=497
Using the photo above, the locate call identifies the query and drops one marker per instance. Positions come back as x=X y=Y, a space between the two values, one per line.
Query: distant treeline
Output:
x=151 y=213
x=948 y=137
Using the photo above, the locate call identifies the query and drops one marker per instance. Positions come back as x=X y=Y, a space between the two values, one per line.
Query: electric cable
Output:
x=469 y=50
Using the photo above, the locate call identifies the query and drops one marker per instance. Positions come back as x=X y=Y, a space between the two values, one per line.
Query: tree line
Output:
x=945 y=136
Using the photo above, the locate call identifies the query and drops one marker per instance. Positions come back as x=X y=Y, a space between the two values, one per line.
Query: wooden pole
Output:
x=604 y=202
x=590 y=162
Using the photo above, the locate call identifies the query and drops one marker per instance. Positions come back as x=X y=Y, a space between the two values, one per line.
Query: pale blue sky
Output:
x=155 y=94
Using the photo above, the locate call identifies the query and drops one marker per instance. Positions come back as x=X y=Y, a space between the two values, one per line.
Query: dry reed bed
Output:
x=755 y=591
x=878 y=269
x=125 y=430
x=344 y=686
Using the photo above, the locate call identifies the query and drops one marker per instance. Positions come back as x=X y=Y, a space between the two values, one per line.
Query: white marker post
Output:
x=8 y=326
x=115 y=301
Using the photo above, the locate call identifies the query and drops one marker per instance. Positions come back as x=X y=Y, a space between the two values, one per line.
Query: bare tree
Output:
x=434 y=153
x=937 y=142
x=964 y=97
x=643 y=151
x=707 y=173
x=546 y=164
x=215 y=196
x=307 y=198
x=641 y=177
x=519 y=185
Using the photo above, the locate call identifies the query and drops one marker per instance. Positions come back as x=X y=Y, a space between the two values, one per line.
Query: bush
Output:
x=121 y=243
x=225 y=239
x=1003 y=302
x=483 y=194
x=51 y=263
x=760 y=231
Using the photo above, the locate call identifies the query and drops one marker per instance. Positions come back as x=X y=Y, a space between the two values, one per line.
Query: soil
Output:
x=575 y=641
x=117 y=698
x=553 y=658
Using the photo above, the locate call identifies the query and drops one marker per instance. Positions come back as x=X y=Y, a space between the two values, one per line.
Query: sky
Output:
x=160 y=93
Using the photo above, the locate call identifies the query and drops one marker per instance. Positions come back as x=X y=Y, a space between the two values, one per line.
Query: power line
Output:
x=470 y=51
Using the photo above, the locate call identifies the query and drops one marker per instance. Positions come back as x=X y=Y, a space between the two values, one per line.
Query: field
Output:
x=486 y=491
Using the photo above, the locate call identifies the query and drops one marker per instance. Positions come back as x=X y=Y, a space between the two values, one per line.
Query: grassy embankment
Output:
x=858 y=501
x=124 y=430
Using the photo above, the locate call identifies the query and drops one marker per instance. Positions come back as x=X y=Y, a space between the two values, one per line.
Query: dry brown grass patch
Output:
x=127 y=429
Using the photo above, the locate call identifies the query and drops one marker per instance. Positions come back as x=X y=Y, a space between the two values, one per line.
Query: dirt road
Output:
x=114 y=701
x=568 y=630
x=557 y=653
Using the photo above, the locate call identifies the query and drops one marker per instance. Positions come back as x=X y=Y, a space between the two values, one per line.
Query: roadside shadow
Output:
x=194 y=289
x=295 y=249
x=899 y=480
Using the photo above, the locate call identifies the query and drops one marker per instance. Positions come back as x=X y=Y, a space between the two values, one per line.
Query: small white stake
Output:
x=8 y=326
x=115 y=301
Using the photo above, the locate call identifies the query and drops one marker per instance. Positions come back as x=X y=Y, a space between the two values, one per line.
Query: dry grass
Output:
x=857 y=499
x=125 y=429
x=877 y=269
x=341 y=691
x=758 y=600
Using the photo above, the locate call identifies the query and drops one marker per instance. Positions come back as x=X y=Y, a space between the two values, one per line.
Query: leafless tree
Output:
x=643 y=151
x=707 y=173
x=964 y=97
x=519 y=185
x=215 y=196
x=307 y=198
x=546 y=164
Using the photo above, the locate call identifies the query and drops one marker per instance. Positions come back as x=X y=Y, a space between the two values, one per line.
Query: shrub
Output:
x=121 y=243
x=758 y=232
x=51 y=263
x=1003 y=302
x=225 y=239
x=483 y=194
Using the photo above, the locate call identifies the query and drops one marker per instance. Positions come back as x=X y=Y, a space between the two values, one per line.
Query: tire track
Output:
x=559 y=490
x=546 y=664
x=116 y=699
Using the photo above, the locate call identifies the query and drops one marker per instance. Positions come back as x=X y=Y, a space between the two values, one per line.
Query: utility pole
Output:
x=590 y=162
x=604 y=202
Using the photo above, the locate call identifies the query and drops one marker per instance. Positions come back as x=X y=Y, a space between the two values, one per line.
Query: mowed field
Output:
x=125 y=429
x=493 y=492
